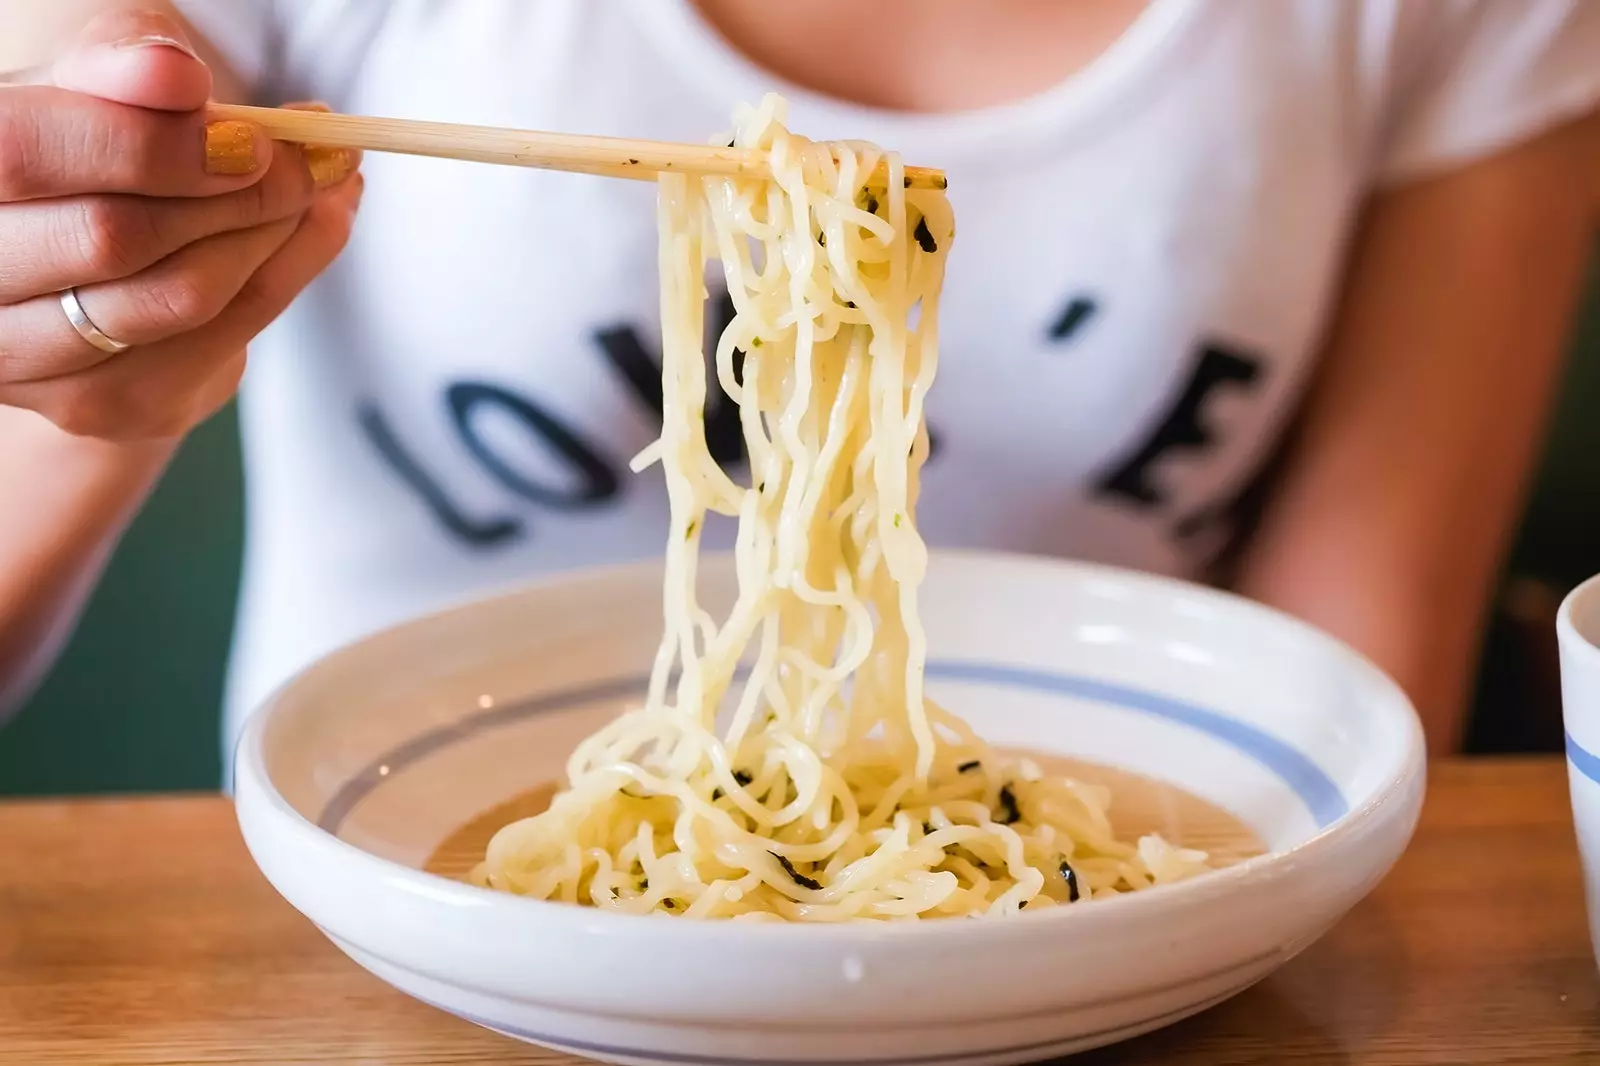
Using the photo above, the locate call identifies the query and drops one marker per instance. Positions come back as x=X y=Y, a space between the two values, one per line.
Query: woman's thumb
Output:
x=141 y=58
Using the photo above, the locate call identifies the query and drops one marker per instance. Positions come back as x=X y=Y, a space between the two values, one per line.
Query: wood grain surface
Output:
x=139 y=932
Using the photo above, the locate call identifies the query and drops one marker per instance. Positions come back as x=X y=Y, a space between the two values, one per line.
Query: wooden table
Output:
x=137 y=931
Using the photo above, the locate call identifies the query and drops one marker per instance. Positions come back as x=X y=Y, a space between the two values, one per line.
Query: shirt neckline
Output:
x=998 y=132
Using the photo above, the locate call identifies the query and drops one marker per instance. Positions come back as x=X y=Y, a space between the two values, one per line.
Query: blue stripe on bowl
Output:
x=1587 y=762
x=1315 y=788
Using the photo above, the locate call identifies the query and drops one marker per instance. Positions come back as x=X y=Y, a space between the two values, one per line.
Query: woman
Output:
x=1185 y=226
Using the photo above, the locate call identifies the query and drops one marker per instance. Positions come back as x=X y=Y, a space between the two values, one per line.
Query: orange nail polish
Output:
x=329 y=166
x=231 y=149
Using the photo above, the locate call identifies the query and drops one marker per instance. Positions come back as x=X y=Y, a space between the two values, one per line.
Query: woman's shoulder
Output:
x=1464 y=79
x=1431 y=84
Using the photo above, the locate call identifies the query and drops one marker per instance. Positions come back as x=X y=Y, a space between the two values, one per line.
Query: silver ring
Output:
x=85 y=325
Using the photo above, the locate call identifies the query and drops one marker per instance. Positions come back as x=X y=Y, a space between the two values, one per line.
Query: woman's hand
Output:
x=180 y=240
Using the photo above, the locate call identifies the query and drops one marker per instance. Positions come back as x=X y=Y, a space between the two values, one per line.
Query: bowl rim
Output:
x=1391 y=700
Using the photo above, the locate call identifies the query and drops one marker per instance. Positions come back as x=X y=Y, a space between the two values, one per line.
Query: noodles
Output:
x=820 y=784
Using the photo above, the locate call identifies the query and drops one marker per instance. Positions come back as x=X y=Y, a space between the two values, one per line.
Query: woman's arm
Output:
x=1403 y=488
x=64 y=500
x=178 y=248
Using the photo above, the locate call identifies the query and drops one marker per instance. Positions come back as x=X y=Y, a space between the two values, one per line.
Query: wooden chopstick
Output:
x=616 y=157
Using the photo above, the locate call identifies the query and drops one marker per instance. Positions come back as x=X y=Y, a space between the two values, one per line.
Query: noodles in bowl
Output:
x=786 y=763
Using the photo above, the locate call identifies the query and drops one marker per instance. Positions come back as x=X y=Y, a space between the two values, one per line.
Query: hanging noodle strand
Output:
x=821 y=784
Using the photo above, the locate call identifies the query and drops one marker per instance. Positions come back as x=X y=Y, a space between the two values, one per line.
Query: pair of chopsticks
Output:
x=615 y=157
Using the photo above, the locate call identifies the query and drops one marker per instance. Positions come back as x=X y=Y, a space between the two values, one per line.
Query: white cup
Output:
x=1578 y=628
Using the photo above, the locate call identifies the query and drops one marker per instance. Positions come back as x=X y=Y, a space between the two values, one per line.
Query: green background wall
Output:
x=134 y=703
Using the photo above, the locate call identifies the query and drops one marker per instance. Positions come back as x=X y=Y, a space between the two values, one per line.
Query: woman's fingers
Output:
x=59 y=143
x=162 y=389
x=140 y=58
x=179 y=237
x=323 y=232
x=50 y=245
x=178 y=295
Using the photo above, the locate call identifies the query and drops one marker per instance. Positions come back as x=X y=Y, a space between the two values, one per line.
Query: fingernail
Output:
x=156 y=40
x=329 y=166
x=231 y=149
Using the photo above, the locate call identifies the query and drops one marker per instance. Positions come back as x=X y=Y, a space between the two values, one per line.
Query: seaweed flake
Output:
x=1070 y=876
x=796 y=876
x=1009 y=813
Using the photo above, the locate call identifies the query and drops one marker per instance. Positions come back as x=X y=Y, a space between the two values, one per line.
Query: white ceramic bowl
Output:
x=353 y=773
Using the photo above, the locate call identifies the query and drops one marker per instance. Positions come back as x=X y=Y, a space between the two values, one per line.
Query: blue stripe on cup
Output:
x=1587 y=762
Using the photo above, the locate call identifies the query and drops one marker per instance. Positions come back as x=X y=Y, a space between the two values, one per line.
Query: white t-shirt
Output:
x=1146 y=261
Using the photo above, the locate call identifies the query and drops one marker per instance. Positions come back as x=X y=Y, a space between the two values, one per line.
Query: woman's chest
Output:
x=1132 y=306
